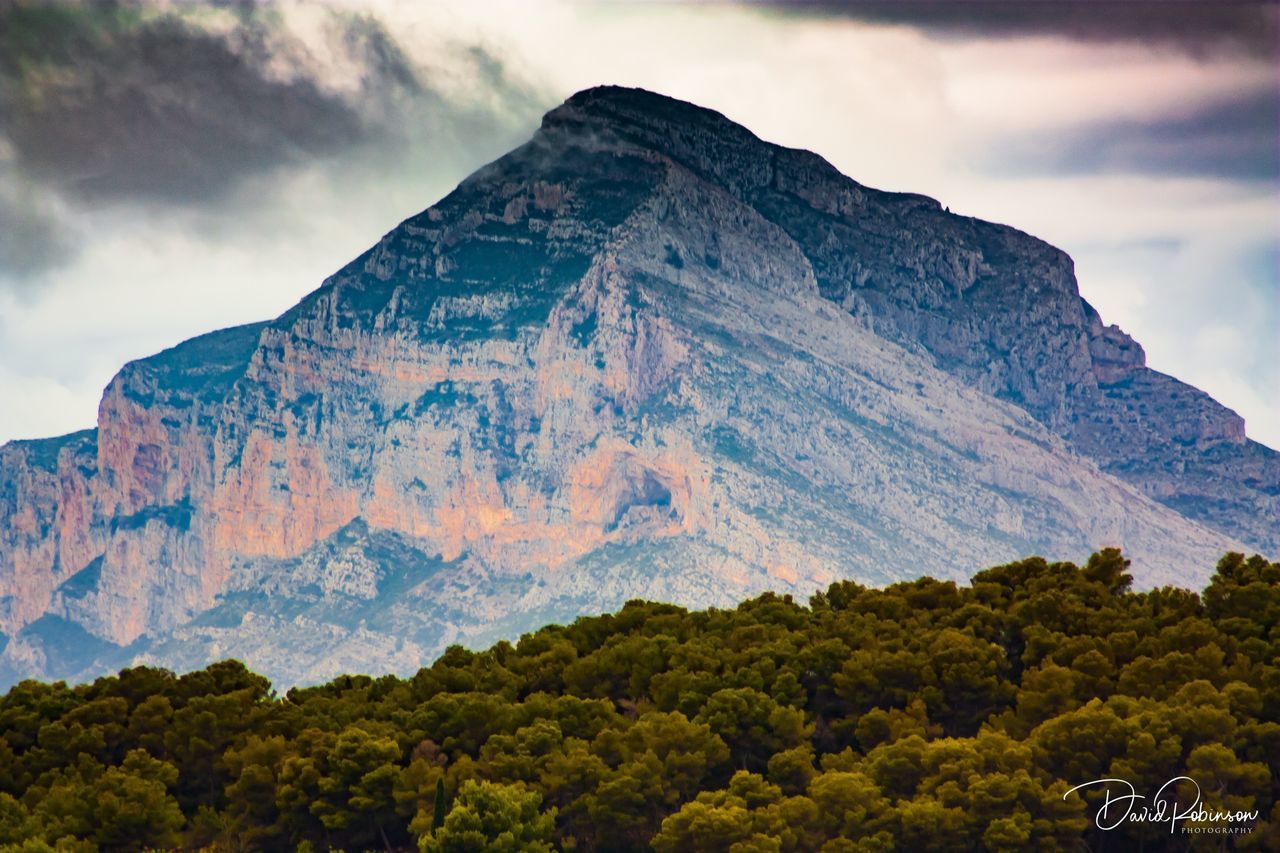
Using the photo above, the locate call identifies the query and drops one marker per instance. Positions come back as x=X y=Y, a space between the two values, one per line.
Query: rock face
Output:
x=644 y=355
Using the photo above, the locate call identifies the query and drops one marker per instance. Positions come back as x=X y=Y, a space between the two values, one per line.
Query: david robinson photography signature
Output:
x=1121 y=805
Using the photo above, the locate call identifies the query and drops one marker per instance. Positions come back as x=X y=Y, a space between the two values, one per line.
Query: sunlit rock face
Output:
x=644 y=355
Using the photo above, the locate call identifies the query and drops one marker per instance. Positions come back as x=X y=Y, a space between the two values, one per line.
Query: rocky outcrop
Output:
x=645 y=355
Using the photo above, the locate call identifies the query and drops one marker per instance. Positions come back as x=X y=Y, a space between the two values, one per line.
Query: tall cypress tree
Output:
x=437 y=820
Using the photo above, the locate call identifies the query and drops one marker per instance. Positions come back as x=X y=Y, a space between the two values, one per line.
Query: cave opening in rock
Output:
x=649 y=491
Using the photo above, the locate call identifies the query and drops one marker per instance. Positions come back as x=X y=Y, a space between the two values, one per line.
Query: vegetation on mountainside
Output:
x=921 y=716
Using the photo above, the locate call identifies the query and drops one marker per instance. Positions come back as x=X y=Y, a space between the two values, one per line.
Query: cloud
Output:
x=110 y=100
x=181 y=105
x=1233 y=138
x=1198 y=27
x=32 y=236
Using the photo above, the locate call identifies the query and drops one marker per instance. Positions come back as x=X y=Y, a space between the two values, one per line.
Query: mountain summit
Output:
x=644 y=355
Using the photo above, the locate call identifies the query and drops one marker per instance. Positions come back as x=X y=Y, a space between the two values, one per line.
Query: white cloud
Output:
x=1046 y=83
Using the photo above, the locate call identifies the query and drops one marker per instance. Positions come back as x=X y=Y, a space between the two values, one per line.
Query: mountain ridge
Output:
x=537 y=384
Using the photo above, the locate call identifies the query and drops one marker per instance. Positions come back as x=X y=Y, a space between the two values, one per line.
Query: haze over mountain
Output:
x=645 y=355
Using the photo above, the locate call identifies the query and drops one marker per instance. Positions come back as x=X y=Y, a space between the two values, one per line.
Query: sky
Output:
x=171 y=168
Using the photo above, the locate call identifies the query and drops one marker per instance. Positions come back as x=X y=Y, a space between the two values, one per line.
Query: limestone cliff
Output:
x=644 y=355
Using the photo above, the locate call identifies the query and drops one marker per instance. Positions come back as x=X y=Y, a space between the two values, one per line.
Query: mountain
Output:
x=644 y=355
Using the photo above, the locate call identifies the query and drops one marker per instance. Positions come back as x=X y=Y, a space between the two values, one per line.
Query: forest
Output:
x=926 y=715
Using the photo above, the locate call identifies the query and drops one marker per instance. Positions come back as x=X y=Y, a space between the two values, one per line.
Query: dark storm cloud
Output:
x=1196 y=26
x=144 y=103
x=1235 y=140
x=107 y=100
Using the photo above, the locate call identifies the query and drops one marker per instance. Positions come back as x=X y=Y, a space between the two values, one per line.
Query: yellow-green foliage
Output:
x=921 y=716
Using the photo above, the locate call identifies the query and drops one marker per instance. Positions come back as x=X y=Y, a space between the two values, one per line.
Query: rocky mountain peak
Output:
x=647 y=354
x=699 y=139
x=995 y=306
